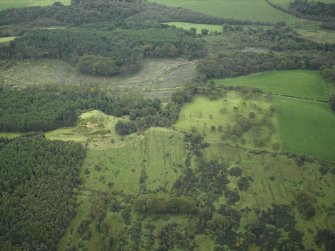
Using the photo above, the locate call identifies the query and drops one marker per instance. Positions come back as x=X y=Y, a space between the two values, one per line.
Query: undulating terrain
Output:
x=167 y=125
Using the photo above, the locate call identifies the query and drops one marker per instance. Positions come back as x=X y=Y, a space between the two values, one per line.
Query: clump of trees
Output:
x=305 y=205
x=36 y=187
x=313 y=10
x=164 y=204
x=242 y=63
x=325 y=238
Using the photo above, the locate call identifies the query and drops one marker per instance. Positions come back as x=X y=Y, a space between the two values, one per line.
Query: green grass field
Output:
x=198 y=27
x=6 y=4
x=298 y=83
x=255 y=10
x=306 y=127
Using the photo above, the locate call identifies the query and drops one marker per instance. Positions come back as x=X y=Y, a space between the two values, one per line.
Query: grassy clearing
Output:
x=255 y=10
x=6 y=39
x=306 y=127
x=228 y=120
x=198 y=27
x=6 y=4
x=298 y=83
x=9 y=135
x=158 y=78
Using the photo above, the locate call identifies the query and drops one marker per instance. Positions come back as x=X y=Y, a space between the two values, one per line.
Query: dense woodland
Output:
x=234 y=64
x=104 y=52
x=313 y=9
x=41 y=110
x=36 y=183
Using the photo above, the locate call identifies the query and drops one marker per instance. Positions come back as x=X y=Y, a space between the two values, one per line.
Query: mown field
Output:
x=255 y=10
x=6 y=4
x=298 y=83
x=306 y=127
x=318 y=35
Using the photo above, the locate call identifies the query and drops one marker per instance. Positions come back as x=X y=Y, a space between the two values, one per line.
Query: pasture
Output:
x=254 y=10
x=297 y=83
x=306 y=127
x=6 y=4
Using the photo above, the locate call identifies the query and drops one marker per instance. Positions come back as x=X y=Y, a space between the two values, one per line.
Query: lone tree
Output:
x=204 y=32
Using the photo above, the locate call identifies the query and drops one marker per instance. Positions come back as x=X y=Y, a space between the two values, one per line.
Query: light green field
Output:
x=158 y=78
x=297 y=83
x=306 y=127
x=6 y=4
x=255 y=10
x=6 y=39
x=228 y=113
x=198 y=27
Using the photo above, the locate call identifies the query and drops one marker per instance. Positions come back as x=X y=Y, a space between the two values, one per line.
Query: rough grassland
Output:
x=114 y=164
x=277 y=180
x=306 y=127
x=227 y=113
x=298 y=83
x=255 y=10
x=158 y=78
x=6 y=4
x=318 y=35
